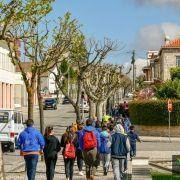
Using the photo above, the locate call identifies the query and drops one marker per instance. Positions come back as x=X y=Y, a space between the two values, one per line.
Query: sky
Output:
x=136 y=24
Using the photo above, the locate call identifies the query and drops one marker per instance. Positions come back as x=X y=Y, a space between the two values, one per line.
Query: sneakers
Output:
x=81 y=173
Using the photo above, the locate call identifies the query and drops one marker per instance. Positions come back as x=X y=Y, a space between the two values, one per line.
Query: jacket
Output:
x=89 y=128
x=105 y=143
x=133 y=137
x=31 y=141
x=119 y=143
x=52 y=147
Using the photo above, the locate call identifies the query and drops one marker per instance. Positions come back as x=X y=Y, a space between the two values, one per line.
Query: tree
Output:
x=42 y=52
x=126 y=84
x=101 y=82
x=15 y=12
x=83 y=56
x=169 y=89
x=175 y=73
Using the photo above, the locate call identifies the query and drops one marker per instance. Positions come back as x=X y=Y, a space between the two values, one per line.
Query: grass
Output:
x=163 y=176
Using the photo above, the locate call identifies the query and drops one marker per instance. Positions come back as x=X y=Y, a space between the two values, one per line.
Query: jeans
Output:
x=31 y=164
x=50 y=168
x=105 y=161
x=133 y=150
x=90 y=159
x=79 y=159
x=118 y=168
x=69 y=164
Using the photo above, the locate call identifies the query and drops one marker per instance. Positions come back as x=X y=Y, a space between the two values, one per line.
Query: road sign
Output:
x=170 y=105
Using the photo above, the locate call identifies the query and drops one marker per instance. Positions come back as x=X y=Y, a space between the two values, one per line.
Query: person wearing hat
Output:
x=120 y=147
x=31 y=144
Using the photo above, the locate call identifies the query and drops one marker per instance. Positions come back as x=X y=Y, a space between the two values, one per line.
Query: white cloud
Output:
x=152 y=37
x=172 y=3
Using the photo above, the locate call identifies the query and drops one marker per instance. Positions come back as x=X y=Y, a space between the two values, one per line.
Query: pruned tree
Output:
x=83 y=56
x=126 y=84
x=101 y=82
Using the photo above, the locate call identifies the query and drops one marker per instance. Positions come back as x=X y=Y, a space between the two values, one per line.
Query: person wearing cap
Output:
x=120 y=147
x=31 y=144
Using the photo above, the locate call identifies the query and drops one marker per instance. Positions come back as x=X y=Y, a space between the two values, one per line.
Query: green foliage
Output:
x=169 y=89
x=175 y=73
x=153 y=112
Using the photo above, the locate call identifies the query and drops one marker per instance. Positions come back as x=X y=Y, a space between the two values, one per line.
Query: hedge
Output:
x=153 y=112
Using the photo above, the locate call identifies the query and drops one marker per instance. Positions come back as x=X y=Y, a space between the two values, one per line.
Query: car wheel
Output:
x=12 y=147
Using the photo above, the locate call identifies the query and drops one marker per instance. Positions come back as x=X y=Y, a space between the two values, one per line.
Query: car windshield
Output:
x=4 y=117
x=49 y=100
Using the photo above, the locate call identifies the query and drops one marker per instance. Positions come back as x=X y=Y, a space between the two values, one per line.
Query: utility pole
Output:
x=133 y=66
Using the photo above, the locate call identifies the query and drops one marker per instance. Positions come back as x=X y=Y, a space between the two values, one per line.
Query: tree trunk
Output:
x=92 y=109
x=30 y=103
x=78 y=114
x=40 y=103
x=99 y=109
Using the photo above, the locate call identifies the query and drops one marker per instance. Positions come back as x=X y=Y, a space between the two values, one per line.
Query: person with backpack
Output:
x=119 y=149
x=31 y=144
x=90 y=143
x=105 y=149
x=127 y=123
x=79 y=150
x=69 y=143
x=51 y=149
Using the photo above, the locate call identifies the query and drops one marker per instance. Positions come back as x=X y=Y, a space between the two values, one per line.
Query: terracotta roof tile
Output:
x=174 y=43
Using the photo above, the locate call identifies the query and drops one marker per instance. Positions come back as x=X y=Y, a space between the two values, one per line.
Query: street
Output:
x=60 y=119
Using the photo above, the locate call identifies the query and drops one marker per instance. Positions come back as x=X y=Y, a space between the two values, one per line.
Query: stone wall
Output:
x=1 y=166
x=157 y=130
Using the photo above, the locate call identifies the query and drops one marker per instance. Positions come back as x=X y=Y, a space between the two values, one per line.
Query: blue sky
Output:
x=124 y=20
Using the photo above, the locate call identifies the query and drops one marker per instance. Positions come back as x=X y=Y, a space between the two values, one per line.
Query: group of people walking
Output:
x=89 y=143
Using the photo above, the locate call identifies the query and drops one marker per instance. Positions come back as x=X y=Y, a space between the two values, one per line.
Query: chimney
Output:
x=167 y=40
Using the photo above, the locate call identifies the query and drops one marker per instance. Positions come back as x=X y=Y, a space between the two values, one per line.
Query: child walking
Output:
x=133 y=138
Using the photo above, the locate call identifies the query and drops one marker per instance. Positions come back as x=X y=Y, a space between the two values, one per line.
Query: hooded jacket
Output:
x=31 y=141
x=119 y=143
x=89 y=128
x=105 y=142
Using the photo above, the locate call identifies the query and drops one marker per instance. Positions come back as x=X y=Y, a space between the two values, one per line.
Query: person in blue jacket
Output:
x=90 y=155
x=119 y=149
x=31 y=143
x=105 y=149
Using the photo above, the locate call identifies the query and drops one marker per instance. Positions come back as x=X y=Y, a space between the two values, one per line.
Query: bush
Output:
x=169 y=89
x=175 y=73
x=153 y=112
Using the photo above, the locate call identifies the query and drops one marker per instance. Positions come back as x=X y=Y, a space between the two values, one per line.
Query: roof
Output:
x=172 y=44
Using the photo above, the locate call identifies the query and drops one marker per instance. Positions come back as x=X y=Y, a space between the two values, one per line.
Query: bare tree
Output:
x=100 y=83
x=83 y=56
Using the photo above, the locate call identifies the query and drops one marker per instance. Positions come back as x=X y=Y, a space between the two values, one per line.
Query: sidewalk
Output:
x=159 y=139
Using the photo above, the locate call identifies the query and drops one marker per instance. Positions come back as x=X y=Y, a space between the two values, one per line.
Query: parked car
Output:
x=65 y=100
x=50 y=103
x=85 y=106
x=11 y=125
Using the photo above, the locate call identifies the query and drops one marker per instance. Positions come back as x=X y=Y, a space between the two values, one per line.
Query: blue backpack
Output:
x=104 y=148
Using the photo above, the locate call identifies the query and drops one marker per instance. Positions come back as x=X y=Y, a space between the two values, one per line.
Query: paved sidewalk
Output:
x=159 y=139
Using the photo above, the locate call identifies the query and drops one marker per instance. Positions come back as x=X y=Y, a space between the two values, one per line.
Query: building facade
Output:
x=160 y=64
x=7 y=73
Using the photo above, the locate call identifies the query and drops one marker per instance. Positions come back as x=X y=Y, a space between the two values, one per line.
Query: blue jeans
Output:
x=31 y=164
x=118 y=168
x=133 y=150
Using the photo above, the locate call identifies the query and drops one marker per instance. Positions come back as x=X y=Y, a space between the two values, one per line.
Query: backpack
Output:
x=105 y=148
x=89 y=140
x=70 y=151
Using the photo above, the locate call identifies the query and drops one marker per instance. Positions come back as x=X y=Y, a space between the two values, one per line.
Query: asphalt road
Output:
x=64 y=116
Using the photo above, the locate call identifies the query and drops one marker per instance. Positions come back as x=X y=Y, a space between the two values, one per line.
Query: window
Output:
x=177 y=60
x=17 y=118
x=4 y=117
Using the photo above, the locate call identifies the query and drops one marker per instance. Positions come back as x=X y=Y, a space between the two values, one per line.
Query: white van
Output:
x=11 y=125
